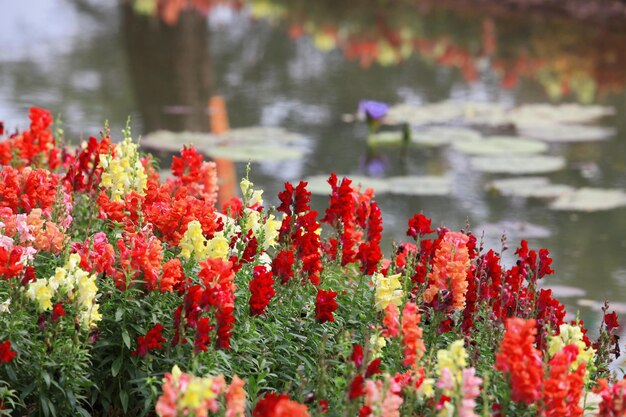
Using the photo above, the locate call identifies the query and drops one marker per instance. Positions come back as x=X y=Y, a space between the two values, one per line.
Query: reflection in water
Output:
x=170 y=68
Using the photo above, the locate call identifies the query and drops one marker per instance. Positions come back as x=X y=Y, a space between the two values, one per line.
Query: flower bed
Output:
x=121 y=294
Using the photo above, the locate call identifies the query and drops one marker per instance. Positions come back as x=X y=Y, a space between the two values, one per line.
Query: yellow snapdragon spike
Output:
x=388 y=290
x=271 y=230
x=572 y=335
x=124 y=172
x=217 y=247
x=193 y=243
x=42 y=293
x=454 y=358
x=69 y=280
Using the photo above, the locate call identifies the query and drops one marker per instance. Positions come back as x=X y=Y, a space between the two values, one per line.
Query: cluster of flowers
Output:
x=419 y=349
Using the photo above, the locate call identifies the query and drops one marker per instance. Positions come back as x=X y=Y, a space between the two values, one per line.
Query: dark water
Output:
x=302 y=65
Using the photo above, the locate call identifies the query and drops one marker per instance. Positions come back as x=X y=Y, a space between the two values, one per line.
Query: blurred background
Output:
x=305 y=65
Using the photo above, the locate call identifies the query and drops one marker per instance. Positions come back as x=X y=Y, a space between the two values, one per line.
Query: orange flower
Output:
x=412 y=335
x=236 y=398
x=450 y=265
x=288 y=408
x=519 y=358
x=391 y=321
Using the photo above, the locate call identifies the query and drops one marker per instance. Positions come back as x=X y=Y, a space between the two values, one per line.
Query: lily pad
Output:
x=253 y=153
x=513 y=229
x=485 y=113
x=441 y=136
x=174 y=141
x=567 y=133
x=534 y=164
x=442 y=112
x=420 y=185
x=563 y=113
x=590 y=199
x=261 y=135
x=318 y=184
x=529 y=187
x=386 y=138
x=500 y=145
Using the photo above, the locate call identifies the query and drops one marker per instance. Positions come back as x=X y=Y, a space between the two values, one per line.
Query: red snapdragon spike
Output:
x=323 y=406
x=219 y=294
x=373 y=368
x=1 y=128
x=365 y=411
x=6 y=354
x=266 y=405
x=357 y=387
x=357 y=355
x=286 y=199
x=233 y=207
x=261 y=287
x=153 y=340
x=57 y=312
x=282 y=265
x=203 y=335
x=610 y=320
x=419 y=225
x=325 y=305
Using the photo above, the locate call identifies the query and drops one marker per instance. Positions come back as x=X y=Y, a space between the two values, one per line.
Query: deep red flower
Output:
x=611 y=321
x=323 y=406
x=357 y=355
x=373 y=368
x=261 y=287
x=357 y=387
x=419 y=225
x=282 y=265
x=153 y=340
x=57 y=312
x=6 y=354
x=325 y=305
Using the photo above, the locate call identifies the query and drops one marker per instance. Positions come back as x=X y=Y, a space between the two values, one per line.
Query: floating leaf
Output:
x=261 y=135
x=253 y=153
x=567 y=133
x=440 y=136
x=529 y=114
x=529 y=187
x=535 y=164
x=174 y=141
x=442 y=112
x=386 y=138
x=420 y=185
x=500 y=145
x=590 y=199
x=513 y=229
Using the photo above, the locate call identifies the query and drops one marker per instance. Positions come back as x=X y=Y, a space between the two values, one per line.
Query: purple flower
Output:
x=373 y=110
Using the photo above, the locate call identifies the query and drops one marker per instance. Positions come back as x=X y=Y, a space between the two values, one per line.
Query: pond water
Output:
x=303 y=65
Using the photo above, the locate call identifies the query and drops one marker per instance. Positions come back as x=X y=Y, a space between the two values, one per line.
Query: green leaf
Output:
x=46 y=377
x=83 y=412
x=117 y=365
x=126 y=338
x=119 y=313
x=124 y=400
